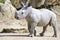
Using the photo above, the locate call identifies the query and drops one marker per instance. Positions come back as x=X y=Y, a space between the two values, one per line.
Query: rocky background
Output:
x=8 y=9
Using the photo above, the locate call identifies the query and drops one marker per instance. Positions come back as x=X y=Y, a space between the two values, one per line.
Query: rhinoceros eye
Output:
x=22 y=13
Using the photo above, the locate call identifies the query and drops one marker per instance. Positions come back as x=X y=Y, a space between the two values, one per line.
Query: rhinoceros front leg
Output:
x=32 y=30
x=29 y=27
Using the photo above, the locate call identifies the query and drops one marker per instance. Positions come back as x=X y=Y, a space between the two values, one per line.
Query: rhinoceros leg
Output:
x=44 y=29
x=29 y=27
x=55 y=34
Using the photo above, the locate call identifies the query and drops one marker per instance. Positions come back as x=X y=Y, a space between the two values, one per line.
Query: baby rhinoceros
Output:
x=36 y=17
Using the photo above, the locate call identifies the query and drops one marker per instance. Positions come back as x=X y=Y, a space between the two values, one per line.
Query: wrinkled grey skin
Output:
x=35 y=17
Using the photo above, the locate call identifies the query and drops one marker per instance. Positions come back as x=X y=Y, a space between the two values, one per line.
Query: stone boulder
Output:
x=7 y=17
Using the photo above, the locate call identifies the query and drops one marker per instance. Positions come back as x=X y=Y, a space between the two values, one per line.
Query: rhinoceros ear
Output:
x=29 y=4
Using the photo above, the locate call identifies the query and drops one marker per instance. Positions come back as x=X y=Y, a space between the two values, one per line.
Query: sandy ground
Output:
x=23 y=36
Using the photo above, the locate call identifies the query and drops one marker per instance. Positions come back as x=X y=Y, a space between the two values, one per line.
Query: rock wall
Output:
x=35 y=3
